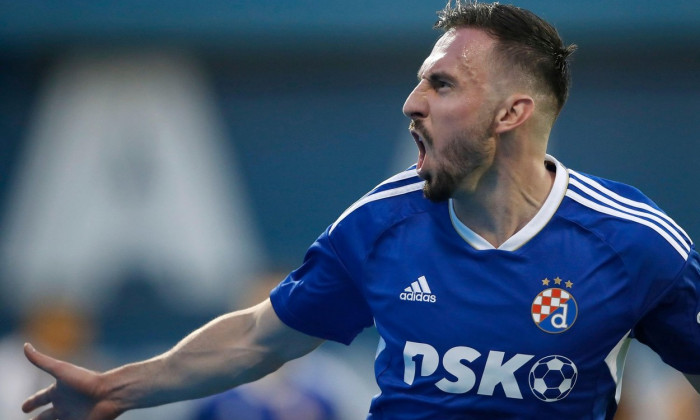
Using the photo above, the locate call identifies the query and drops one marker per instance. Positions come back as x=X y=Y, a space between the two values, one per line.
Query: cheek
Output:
x=454 y=118
x=452 y=127
x=456 y=112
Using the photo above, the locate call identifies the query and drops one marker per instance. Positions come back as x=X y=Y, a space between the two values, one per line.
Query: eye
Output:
x=440 y=84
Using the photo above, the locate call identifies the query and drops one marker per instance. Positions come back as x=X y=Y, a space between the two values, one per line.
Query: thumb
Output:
x=46 y=363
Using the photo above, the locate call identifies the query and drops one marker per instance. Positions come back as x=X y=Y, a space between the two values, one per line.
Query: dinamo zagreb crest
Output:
x=554 y=310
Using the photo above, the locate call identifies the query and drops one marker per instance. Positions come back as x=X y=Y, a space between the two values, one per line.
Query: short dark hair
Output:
x=523 y=39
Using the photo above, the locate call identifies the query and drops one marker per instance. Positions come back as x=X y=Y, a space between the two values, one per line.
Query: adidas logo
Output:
x=418 y=291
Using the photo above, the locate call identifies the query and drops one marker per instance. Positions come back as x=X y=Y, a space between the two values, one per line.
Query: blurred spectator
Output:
x=651 y=390
x=58 y=327
x=280 y=396
x=69 y=331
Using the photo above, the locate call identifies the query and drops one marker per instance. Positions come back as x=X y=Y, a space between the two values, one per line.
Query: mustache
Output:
x=419 y=127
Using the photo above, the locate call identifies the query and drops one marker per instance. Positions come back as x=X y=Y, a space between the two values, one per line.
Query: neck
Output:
x=505 y=199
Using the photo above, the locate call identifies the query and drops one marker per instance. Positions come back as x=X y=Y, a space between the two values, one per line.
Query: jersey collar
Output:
x=543 y=216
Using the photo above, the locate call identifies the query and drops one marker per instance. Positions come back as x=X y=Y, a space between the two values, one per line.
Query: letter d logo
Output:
x=554 y=310
x=559 y=318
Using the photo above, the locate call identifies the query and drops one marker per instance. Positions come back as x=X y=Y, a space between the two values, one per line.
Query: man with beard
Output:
x=502 y=284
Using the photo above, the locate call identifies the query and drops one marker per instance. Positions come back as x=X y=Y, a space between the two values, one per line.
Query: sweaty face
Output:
x=452 y=114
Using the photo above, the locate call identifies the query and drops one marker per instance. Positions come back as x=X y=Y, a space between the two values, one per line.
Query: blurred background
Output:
x=160 y=160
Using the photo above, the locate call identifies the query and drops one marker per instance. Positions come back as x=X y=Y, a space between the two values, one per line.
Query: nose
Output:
x=416 y=105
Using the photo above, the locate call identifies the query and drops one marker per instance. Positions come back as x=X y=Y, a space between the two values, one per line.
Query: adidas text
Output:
x=417 y=297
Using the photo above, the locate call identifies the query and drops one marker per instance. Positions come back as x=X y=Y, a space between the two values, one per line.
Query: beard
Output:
x=462 y=154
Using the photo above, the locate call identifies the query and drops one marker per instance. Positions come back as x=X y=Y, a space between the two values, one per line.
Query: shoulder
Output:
x=386 y=204
x=625 y=218
x=356 y=233
x=397 y=204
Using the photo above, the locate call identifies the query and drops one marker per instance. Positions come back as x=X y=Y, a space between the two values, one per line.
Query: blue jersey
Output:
x=537 y=328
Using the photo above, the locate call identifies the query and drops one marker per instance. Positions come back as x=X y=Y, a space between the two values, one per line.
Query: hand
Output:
x=77 y=394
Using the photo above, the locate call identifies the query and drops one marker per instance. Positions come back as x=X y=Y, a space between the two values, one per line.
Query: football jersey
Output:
x=536 y=328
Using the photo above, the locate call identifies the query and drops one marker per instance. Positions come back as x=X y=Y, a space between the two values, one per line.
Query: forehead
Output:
x=458 y=48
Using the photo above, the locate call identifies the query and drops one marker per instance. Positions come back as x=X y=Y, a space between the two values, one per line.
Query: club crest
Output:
x=554 y=310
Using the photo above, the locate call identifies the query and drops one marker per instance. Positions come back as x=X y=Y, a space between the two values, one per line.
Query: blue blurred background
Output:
x=158 y=158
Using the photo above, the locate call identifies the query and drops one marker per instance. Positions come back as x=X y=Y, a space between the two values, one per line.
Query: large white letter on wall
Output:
x=127 y=164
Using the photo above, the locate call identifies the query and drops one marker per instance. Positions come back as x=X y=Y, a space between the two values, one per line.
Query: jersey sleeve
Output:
x=320 y=298
x=672 y=327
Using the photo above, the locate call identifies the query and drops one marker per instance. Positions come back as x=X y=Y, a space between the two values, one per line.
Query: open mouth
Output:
x=421 y=149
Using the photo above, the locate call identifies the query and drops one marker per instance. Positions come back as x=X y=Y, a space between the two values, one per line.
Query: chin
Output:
x=436 y=194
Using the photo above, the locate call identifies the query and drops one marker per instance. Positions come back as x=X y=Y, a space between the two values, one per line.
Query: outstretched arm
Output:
x=233 y=349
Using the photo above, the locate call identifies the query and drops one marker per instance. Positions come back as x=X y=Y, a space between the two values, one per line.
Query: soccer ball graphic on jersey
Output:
x=552 y=378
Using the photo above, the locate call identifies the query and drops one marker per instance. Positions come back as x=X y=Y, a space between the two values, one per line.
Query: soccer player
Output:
x=502 y=284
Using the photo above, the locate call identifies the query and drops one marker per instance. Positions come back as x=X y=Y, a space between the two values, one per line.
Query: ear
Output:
x=515 y=111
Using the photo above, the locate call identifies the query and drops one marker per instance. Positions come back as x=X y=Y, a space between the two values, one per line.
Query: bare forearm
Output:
x=231 y=350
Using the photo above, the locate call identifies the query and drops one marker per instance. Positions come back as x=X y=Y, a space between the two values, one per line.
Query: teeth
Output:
x=421 y=150
x=417 y=137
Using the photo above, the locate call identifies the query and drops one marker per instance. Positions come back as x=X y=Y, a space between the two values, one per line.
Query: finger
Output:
x=42 y=397
x=46 y=363
x=48 y=414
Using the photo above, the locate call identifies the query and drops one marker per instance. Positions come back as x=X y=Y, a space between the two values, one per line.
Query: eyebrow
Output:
x=437 y=76
x=419 y=73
